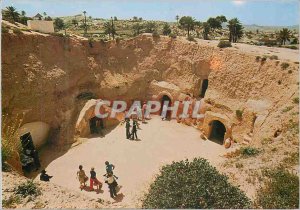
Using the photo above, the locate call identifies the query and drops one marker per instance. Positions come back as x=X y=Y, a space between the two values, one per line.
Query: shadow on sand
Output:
x=49 y=153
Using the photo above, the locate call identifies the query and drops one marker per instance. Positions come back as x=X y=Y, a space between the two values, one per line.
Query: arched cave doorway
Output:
x=217 y=131
x=163 y=100
x=204 y=87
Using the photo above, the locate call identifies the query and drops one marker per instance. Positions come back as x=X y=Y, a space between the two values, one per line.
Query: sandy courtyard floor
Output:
x=137 y=162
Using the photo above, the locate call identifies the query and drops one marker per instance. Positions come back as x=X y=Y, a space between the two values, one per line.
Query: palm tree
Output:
x=206 y=30
x=11 y=13
x=45 y=14
x=188 y=23
x=177 y=18
x=85 y=26
x=284 y=35
x=23 y=13
x=109 y=28
x=235 y=30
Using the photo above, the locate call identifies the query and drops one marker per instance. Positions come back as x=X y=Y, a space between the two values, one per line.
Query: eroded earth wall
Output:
x=43 y=77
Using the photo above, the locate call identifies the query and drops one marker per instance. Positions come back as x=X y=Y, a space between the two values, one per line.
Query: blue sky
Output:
x=260 y=12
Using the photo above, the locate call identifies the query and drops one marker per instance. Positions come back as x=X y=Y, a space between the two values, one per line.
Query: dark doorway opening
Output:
x=217 y=132
x=164 y=99
x=96 y=125
x=204 y=88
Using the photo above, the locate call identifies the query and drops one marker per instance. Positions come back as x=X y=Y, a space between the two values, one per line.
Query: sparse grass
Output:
x=257 y=58
x=239 y=165
x=155 y=34
x=191 y=39
x=233 y=154
x=224 y=44
x=273 y=57
x=266 y=141
x=28 y=188
x=284 y=65
x=293 y=126
x=279 y=82
x=249 y=151
x=17 y=31
x=276 y=63
x=90 y=41
x=263 y=59
x=11 y=202
x=292 y=159
x=39 y=205
x=173 y=36
x=280 y=190
x=239 y=114
x=57 y=34
x=290 y=71
x=26 y=29
x=287 y=109
x=10 y=145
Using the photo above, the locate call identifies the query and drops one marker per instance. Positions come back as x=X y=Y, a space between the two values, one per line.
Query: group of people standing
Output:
x=133 y=134
x=110 y=179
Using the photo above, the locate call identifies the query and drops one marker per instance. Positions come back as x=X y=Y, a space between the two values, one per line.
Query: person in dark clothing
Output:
x=93 y=125
x=127 y=128
x=134 y=130
x=94 y=180
x=109 y=167
x=30 y=152
x=45 y=177
x=112 y=184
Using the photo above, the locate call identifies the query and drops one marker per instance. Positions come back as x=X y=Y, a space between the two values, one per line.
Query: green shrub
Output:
x=191 y=39
x=90 y=41
x=224 y=44
x=296 y=100
x=27 y=188
x=273 y=57
x=4 y=29
x=292 y=47
x=193 y=184
x=155 y=34
x=17 y=31
x=249 y=151
x=57 y=34
x=239 y=114
x=26 y=29
x=280 y=190
x=284 y=66
x=263 y=59
x=287 y=109
x=173 y=36
x=86 y=96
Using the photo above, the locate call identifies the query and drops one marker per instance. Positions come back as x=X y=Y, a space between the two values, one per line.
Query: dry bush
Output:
x=10 y=144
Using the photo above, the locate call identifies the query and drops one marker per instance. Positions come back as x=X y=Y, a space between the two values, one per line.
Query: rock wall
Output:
x=43 y=77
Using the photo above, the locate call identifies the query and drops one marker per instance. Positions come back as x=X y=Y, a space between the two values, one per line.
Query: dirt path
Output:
x=136 y=162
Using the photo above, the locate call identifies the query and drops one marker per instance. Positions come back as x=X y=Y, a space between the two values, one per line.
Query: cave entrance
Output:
x=217 y=132
x=204 y=87
x=164 y=99
x=96 y=125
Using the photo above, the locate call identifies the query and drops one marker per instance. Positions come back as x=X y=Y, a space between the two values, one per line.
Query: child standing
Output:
x=81 y=177
x=94 y=180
